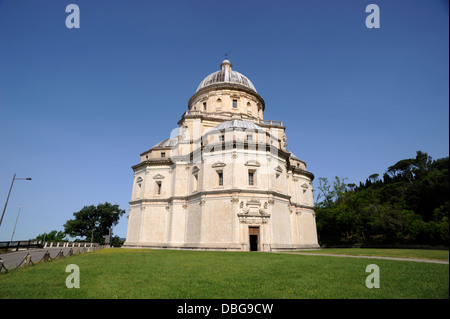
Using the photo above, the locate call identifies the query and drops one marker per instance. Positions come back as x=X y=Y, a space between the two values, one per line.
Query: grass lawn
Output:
x=122 y=273
x=401 y=253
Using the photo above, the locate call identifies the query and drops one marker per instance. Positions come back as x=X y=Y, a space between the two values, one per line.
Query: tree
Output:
x=408 y=205
x=404 y=168
x=325 y=196
x=54 y=236
x=94 y=222
x=329 y=194
x=374 y=177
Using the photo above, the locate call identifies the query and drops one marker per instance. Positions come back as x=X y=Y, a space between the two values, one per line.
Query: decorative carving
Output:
x=252 y=163
x=253 y=220
x=252 y=213
x=158 y=176
x=184 y=129
x=218 y=164
x=253 y=201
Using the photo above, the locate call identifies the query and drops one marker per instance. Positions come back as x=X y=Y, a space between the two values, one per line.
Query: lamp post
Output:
x=12 y=183
x=17 y=218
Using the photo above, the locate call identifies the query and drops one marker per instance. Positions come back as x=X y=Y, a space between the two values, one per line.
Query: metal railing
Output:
x=69 y=244
x=35 y=244
x=20 y=244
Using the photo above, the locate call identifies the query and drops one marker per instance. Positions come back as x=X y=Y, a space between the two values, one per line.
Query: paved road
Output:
x=433 y=261
x=12 y=260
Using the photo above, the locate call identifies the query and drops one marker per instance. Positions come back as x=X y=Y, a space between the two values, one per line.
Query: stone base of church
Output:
x=181 y=246
x=217 y=246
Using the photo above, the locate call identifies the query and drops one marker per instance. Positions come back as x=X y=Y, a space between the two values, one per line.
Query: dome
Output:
x=170 y=142
x=244 y=125
x=226 y=75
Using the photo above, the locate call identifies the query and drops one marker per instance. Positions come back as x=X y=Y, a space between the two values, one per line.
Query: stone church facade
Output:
x=224 y=180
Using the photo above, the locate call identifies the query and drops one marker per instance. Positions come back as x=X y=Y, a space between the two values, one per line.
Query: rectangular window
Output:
x=234 y=104
x=249 y=137
x=222 y=138
x=163 y=154
x=158 y=186
x=220 y=174
x=204 y=106
x=251 y=178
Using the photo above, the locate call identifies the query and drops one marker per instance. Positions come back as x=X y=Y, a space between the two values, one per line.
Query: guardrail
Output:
x=69 y=244
x=27 y=244
x=20 y=244
x=28 y=259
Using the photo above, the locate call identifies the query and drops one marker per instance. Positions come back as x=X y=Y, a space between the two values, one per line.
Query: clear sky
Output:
x=78 y=106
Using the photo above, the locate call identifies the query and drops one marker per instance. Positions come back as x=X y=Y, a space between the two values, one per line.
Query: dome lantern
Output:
x=226 y=65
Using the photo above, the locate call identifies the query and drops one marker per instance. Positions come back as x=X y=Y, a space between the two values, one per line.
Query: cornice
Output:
x=224 y=86
x=153 y=162
x=303 y=172
x=229 y=191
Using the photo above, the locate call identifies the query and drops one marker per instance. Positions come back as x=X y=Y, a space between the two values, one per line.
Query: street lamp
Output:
x=12 y=183
x=17 y=218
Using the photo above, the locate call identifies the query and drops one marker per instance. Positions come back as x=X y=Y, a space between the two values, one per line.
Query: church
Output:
x=224 y=179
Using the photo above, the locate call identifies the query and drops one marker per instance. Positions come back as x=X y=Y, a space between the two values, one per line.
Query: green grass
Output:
x=121 y=273
x=401 y=253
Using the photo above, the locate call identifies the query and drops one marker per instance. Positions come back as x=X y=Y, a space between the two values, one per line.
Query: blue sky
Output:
x=78 y=106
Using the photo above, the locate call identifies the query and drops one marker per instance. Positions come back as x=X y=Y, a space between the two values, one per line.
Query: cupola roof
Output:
x=226 y=75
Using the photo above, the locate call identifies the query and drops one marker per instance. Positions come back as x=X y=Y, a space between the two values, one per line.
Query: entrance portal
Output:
x=253 y=238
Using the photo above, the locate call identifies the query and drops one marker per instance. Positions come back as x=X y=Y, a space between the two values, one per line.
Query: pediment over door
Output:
x=252 y=213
